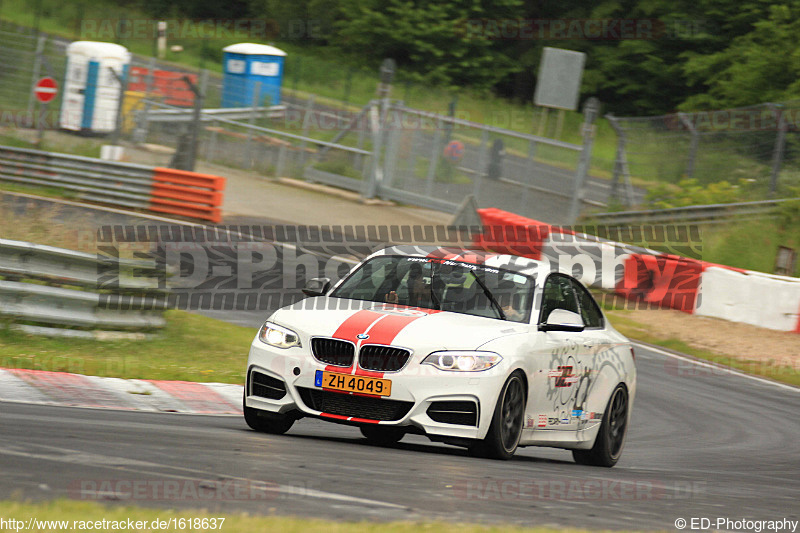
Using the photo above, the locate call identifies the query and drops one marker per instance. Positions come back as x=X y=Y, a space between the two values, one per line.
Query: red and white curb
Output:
x=77 y=390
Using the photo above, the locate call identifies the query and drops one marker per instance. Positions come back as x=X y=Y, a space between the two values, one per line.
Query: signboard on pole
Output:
x=559 y=81
x=45 y=90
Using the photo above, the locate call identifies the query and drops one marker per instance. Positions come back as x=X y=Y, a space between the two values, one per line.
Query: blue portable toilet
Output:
x=245 y=65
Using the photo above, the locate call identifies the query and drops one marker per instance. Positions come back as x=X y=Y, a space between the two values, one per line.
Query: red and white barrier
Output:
x=748 y=297
x=664 y=280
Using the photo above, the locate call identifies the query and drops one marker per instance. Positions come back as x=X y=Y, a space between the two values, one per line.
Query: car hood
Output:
x=418 y=329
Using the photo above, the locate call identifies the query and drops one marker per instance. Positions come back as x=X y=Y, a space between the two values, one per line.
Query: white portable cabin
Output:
x=91 y=92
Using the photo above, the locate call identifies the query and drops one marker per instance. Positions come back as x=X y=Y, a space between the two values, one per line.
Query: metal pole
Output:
x=529 y=166
x=143 y=125
x=692 y=145
x=780 y=144
x=306 y=126
x=36 y=72
x=115 y=135
x=482 y=156
x=433 y=162
x=590 y=111
x=198 y=106
x=248 y=163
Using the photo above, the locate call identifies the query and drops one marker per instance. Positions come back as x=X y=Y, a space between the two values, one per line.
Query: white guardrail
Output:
x=59 y=292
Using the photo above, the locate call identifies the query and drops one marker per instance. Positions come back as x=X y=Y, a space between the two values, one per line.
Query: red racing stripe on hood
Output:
x=356 y=323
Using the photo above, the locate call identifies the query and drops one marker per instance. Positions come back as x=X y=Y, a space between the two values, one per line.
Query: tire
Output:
x=267 y=422
x=610 y=440
x=506 y=428
x=382 y=436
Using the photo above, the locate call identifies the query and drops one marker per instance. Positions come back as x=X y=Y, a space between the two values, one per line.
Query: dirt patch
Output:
x=728 y=339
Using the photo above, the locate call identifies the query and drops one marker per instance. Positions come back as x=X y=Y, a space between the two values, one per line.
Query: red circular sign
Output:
x=45 y=89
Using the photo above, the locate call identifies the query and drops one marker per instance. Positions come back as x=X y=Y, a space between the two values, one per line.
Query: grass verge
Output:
x=82 y=512
x=190 y=348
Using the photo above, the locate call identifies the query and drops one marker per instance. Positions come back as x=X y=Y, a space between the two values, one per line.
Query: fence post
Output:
x=482 y=156
x=692 y=145
x=248 y=152
x=529 y=166
x=143 y=125
x=211 y=147
x=591 y=110
x=433 y=162
x=376 y=173
x=780 y=144
x=35 y=73
x=281 y=164
x=306 y=127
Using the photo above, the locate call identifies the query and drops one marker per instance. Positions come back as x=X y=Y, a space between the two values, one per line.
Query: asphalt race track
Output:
x=703 y=442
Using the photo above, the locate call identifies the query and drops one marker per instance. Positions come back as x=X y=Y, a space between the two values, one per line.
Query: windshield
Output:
x=441 y=284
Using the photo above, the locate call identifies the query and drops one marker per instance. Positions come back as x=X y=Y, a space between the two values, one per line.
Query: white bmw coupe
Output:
x=470 y=348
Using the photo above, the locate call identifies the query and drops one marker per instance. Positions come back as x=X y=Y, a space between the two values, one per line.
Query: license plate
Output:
x=350 y=383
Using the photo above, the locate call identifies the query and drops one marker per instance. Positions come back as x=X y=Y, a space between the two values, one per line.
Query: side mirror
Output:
x=562 y=320
x=317 y=286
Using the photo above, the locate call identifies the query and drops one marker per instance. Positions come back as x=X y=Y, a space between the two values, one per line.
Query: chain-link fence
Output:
x=758 y=144
x=384 y=149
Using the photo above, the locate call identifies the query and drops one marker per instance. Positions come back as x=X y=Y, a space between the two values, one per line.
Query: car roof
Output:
x=523 y=265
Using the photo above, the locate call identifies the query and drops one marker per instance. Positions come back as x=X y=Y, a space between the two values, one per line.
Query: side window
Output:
x=590 y=312
x=558 y=293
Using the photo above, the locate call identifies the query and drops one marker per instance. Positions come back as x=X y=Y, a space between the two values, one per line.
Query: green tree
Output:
x=447 y=43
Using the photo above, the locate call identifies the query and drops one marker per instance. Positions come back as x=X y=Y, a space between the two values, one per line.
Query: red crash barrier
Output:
x=663 y=280
x=167 y=84
x=189 y=194
x=508 y=233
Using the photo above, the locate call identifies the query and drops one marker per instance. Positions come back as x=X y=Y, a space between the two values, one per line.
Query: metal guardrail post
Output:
x=591 y=110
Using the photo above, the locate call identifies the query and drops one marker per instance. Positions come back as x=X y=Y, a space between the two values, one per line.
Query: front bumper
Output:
x=423 y=398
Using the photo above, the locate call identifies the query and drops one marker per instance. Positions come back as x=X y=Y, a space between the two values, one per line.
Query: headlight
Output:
x=278 y=336
x=463 y=361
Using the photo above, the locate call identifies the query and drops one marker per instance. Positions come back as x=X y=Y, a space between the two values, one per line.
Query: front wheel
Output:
x=607 y=447
x=267 y=422
x=506 y=429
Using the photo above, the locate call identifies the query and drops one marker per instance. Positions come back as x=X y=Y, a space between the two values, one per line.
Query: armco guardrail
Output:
x=230 y=113
x=77 y=294
x=704 y=214
x=163 y=190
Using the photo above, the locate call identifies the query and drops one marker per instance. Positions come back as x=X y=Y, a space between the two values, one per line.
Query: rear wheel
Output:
x=267 y=422
x=607 y=448
x=506 y=429
x=383 y=436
